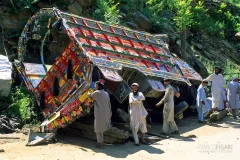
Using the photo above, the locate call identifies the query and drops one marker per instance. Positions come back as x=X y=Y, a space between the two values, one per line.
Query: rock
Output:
x=214 y=52
x=12 y=43
x=191 y=136
x=11 y=22
x=132 y=25
x=216 y=116
x=85 y=3
x=168 y=29
x=227 y=44
x=24 y=15
x=75 y=8
x=8 y=125
x=92 y=136
x=199 y=67
x=237 y=35
x=178 y=43
x=123 y=15
x=111 y=136
x=112 y=132
x=142 y=21
x=122 y=116
x=198 y=45
x=207 y=54
x=42 y=4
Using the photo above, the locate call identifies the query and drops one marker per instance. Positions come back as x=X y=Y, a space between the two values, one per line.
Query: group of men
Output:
x=220 y=97
x=137 y=111
x=138 y=114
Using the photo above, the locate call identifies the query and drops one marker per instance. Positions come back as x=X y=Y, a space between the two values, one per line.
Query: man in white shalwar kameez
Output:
x=233 y=91
x=203 y=106
x=138 y=114
x=217 y=88
x=102 y=113
x=169 y=124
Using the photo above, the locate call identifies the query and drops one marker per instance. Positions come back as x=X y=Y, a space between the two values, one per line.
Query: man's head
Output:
x=166 y=82
x=134 y=87
x=235 y=79
x=98 y=85
x=204 y=83
x=217 y=70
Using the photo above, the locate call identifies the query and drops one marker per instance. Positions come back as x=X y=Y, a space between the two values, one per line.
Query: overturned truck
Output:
x=62 y=55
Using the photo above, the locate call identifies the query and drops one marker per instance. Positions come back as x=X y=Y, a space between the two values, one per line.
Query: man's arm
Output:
x=209 y=78
x=238 y=91
x=132 y=99
x=201 y=95
x=223 y=81
x=136 y=99
x=93 y=95
x=140 y=97
x=166 y=97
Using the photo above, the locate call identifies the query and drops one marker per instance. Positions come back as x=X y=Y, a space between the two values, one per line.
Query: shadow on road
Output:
x=117 y=151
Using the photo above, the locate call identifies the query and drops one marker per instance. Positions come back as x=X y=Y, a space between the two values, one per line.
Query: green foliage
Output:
x=22 y=105
x=184 y=15
x=221 y=20
x=107 y=11
x=215 y=21
x=199 y=15
x=160 y=5
x=230 y=69
x=234 y=2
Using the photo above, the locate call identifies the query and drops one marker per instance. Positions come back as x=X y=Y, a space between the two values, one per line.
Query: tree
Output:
x=183 y=20
x=159 y=5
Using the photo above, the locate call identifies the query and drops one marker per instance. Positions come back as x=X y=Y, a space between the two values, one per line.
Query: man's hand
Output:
x=203 y=102
x=214 y=109
x=158 y=105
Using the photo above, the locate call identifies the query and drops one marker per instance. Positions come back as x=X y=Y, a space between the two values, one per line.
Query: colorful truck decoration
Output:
x=96 y=51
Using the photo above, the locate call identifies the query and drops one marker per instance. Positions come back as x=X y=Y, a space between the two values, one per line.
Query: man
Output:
x=138 y=114
x=202 y=104
x=233 y=90
x=102 y=112
x=217 y=85
x=169 y=124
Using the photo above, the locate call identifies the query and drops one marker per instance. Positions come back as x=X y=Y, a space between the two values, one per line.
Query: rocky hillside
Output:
x=208 y=43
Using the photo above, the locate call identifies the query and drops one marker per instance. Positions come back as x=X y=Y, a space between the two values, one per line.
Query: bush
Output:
x=22 y=105
x=107 y=11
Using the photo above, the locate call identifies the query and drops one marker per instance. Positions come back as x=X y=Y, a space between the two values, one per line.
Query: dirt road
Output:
x=221 y=140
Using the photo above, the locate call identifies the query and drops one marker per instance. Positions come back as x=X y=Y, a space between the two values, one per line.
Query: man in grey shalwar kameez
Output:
x=102 y=112
x=169 y=124
x=233 y=91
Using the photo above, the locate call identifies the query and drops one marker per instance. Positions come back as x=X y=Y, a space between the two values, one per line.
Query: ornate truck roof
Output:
x=116 y=47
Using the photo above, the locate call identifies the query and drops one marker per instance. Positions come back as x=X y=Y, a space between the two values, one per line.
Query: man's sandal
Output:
x=100 y=146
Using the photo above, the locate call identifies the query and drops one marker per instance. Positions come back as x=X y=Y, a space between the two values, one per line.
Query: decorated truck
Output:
x=75 y=52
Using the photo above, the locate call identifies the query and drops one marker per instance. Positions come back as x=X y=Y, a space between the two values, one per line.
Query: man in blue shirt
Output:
x=202 y=104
